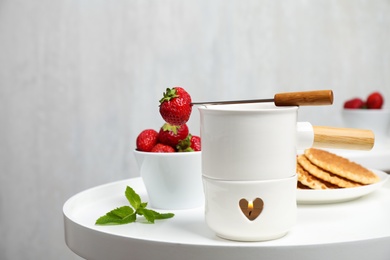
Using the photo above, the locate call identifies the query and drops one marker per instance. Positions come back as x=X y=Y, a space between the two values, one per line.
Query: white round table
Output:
x=358 y=229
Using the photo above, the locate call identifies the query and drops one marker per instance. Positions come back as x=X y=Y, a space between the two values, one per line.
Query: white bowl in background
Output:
x=377 y=120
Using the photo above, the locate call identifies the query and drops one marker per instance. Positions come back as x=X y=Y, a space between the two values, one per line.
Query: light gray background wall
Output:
x=80 y=79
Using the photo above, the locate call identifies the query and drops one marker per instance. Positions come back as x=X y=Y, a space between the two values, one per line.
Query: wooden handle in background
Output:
x=343 y=138
x=305 y=98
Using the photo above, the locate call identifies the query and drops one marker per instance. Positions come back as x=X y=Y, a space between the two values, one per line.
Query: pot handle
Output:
x=333 y=137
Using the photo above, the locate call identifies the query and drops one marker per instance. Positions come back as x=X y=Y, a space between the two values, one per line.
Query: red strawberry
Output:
x=175 y=106
x=374 y=101
x=190 y=144
x=146 y=140
x=195 y=143
x=162 y=148
x=172 y=134
x=354 y=103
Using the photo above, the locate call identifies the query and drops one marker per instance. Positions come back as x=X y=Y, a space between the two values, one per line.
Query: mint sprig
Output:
x=127 y=214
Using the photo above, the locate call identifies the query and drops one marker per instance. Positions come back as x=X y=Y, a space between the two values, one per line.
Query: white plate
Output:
x=339 y=195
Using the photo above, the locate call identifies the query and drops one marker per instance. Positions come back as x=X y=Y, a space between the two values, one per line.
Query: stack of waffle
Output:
x=319 y=169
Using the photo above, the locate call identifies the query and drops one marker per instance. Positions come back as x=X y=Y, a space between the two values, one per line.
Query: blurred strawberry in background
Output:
x=374 y=101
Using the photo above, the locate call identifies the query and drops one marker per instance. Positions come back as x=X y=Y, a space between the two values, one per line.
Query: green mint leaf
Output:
x=127 y=214
x=133 y=198
x=164 y=215
x=121 y=215
x=148 y=215
x=151 y=215
x=122 y=212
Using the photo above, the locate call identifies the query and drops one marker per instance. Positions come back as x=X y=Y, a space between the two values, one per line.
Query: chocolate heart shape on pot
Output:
x=251 y=209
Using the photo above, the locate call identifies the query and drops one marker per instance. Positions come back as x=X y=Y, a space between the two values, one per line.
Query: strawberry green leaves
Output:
x=126 y=214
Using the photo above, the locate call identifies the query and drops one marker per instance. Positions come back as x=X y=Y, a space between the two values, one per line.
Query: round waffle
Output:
x=340 y=166
x=324 y=175
x=308 y=181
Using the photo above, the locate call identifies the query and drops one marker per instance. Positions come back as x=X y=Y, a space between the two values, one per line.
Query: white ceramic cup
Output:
x=227 y=213
x=172 y=180
x=255 y=141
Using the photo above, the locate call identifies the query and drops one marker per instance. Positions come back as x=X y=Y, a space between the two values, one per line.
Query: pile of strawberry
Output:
x=174 y=135
x=373 y=101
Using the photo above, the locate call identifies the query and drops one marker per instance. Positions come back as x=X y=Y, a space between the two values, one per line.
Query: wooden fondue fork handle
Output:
x=305 y=98
x=343 y=138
